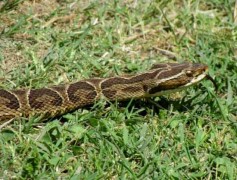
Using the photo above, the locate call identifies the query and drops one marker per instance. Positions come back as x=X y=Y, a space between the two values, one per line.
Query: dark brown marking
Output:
x=169 y=65
x=78 y=86
x=145 y=88
x=37 y=103
x=20 y=92
x=169 y=85
x=13 y=101
x=119 y=80
x=91 y=95
x=110 y=94
x=170 y=73
x=61 y=89
x=132 y=89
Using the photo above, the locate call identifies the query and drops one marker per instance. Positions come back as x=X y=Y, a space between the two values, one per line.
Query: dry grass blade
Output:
x=235 y=13
x=6 y=123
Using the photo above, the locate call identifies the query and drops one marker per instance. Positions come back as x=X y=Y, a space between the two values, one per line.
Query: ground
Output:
x=187 y=135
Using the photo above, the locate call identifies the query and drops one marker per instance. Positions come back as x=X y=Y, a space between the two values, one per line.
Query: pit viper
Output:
x=56 y=100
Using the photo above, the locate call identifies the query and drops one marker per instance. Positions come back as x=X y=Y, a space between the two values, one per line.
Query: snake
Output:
x=56 y=100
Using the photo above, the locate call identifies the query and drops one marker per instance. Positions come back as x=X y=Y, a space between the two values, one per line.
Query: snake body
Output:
x=60 y=99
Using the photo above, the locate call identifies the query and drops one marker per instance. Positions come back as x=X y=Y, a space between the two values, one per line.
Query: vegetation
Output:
x=187 y=135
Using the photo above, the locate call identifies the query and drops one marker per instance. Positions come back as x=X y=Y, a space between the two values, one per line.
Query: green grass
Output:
x=193 y=135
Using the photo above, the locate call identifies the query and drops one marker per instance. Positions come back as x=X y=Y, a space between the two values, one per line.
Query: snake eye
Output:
x=189 y=73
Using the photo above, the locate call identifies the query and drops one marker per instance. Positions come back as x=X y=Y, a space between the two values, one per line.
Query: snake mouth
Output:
x=203 y=76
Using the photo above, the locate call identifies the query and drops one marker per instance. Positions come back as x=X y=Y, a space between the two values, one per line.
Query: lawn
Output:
x=191 y=134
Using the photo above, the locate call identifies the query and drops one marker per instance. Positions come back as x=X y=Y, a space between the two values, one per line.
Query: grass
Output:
x=193 y=135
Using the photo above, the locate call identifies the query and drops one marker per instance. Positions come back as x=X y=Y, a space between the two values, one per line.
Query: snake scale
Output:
x=56 y=100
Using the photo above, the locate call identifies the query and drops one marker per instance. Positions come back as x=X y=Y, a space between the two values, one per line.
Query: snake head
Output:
x=174 y=77
x=195 y=73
